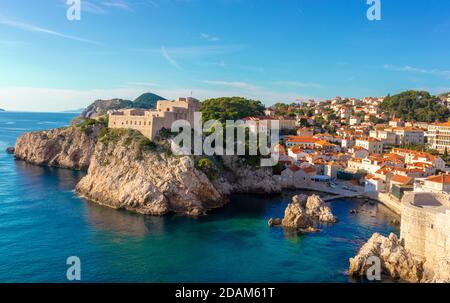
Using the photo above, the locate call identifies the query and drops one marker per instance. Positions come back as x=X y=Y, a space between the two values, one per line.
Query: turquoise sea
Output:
x=42 y=223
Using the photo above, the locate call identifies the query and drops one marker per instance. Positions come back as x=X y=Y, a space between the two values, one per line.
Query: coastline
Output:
x=382 y=198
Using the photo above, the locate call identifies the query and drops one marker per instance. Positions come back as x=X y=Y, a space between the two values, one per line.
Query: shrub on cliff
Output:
x=146 y=144
x=111 y=135
x=207 y=166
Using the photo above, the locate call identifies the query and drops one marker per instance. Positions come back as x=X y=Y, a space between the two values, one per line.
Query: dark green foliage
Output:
x=86 y=124
x=145 y=144
x=147 y=101
x=415 y=106
x=104 y=120
x=111 y=135
x=165 y=134
x=233 y=108
x=277 y=169
x=208 y=166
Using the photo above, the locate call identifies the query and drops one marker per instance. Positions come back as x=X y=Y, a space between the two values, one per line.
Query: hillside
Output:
x=101 y=107
x=415 y=106
x=147 y=101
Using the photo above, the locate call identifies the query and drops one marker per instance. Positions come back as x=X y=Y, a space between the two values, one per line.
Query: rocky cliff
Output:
x=396 y=261
x=127 y=171
x=69 y=147
x=239 y=177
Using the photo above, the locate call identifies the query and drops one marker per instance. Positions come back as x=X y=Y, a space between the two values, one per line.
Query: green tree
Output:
x=415 y=106
x=230 y=108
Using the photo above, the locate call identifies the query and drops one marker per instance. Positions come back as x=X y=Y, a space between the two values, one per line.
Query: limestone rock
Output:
x=69 y=147
x=121 y=175
x=316 y=208
x=125 y=174
x=274 y=222
x=310 y=229
x=442 y=272
x=300 y=199
x=296 y=217
x=396 y=261
x=246 y=179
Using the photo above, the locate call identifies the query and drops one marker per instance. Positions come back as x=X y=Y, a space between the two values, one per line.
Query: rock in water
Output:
x=396 y=261
x=274 y=222
x=296 y=217
x=10 y=150
x=315 y=207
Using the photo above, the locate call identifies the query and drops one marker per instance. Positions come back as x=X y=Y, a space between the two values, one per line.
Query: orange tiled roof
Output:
x=446 y=124
x=302 y=139
x=444 y=179
x=401 y=179
x=309 y=169
x=294 y=168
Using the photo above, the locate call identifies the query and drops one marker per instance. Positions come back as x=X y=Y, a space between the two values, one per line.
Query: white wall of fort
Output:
x=150 y=122
x=425 y=227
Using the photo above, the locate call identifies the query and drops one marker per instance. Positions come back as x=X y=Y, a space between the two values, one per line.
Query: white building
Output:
x=433 y=184
x=409 y=136
x=355 y=121
x=371 y=144
x=374 y=184
x=439 y=136
x=386 y=136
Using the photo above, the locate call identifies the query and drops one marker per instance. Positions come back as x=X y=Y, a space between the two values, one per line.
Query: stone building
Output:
x=425 y=228
x=150 y=122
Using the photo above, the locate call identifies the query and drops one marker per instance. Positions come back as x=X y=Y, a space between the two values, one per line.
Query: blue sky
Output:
x=273 y=51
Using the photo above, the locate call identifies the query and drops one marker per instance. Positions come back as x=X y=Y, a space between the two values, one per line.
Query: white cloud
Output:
x=117 y=4
x=300 y=84
x=90 y=7
x=234 y=84
x=194 y=51
x=208 y=37
x=144 y=84
x=37 y=29
x=169 y=58
x=412 y=69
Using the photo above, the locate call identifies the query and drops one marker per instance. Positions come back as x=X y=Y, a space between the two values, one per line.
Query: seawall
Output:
x=425 y=228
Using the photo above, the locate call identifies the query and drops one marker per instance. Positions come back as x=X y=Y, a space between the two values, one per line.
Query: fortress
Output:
x=150 y=122
x=425 y=228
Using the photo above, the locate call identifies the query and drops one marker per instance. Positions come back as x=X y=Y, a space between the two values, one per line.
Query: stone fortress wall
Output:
x=150 y=122
x=425 y=227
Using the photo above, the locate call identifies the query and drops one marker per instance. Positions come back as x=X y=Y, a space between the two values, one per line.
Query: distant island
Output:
x=2 y=110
